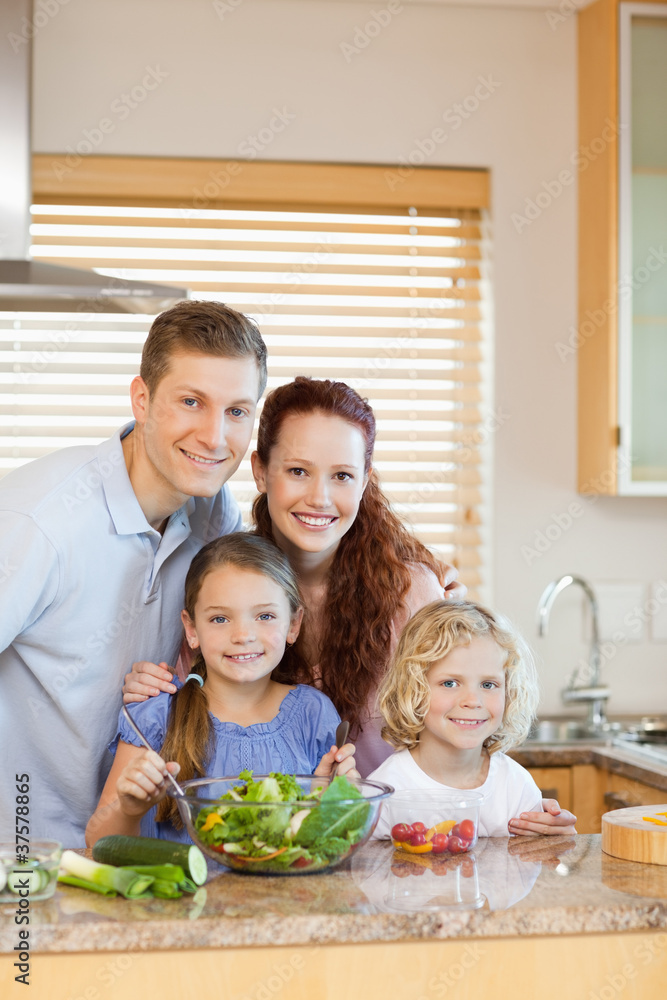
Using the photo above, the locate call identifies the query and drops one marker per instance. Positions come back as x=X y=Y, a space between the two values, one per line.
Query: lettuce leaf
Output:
x=334 y=819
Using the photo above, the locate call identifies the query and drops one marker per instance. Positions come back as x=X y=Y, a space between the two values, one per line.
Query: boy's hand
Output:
x=143 y=782
x=343 y=757
x=146 y=680
x=553 y=821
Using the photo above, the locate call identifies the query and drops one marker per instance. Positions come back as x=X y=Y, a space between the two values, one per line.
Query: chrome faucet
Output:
x=579 y=688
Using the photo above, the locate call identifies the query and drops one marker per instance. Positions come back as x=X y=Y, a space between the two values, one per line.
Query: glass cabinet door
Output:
x=642 y=285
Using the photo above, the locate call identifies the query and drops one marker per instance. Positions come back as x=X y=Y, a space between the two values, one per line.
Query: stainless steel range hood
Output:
x=27 y=285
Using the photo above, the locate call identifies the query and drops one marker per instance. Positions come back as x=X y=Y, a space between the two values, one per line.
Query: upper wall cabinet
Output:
x=622 y=331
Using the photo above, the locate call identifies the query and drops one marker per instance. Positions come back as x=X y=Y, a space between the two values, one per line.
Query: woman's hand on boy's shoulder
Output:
x=146 y=680
x=454 y=589
x=553 y=821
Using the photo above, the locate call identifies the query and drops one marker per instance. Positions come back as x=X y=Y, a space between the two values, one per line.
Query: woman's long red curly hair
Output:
x=370 y=574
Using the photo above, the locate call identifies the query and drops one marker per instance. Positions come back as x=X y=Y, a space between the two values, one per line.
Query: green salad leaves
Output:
x=296 y=829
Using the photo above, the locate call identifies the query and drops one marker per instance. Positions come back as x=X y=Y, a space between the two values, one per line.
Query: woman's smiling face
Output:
x=314 y=481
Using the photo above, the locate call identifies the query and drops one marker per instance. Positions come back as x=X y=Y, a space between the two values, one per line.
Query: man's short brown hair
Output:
x=200 y=327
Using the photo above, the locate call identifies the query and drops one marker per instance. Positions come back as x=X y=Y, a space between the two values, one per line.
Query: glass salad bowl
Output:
x=280 y=824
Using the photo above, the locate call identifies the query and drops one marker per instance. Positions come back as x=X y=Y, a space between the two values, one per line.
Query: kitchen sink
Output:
x=568 y=731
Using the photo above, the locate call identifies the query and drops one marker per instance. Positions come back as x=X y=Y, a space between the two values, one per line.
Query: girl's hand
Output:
x=143 y=782
x=343 y=757
x=146 y=680
x=553 y=821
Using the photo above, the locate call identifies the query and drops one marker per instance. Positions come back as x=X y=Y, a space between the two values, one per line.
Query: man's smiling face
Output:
x=196 y=426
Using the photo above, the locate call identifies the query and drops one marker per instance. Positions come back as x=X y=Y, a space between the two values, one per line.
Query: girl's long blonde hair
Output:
x=189 y=730
x=404 y=695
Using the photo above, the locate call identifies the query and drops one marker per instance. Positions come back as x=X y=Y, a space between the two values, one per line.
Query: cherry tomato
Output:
x=455 y=831
x=467 y=828
x=457 y=846
x=417 y=839
x=301 y=863
x=401 y=832
x=419 y=828
x=440 y=843
x=468 y=868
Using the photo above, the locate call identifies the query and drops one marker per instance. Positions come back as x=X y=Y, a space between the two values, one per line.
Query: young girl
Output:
x=242 y=607
x=462 y=689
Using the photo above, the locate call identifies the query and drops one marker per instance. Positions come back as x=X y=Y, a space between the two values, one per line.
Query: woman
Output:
x=361 y=573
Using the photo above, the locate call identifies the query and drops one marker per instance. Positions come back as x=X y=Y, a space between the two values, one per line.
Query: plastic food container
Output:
x=341 y=826
x=32 y=880
x=431 y=823
x=433 y=882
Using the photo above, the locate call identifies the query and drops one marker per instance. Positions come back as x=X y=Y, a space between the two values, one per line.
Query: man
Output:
x=95 y=543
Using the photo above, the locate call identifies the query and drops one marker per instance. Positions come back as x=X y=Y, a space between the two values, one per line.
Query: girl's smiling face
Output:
x=241 y=624
x=467 y=695
x=314 y=481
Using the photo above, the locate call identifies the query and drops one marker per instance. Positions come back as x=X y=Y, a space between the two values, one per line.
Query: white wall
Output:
x=225 y=75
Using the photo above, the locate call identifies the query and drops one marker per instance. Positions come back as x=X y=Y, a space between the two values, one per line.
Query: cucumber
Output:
x=36 y=878
x=118 y=850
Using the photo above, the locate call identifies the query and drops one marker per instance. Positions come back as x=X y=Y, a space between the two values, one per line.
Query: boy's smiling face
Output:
x=467 y=695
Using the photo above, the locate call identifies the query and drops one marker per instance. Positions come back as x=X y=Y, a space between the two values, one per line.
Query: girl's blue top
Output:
x=293 y=742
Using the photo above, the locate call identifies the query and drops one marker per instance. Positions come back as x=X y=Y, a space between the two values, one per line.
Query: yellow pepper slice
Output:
x=652 y=819
x=412 y=848
x=444 y=827
x=211 y=820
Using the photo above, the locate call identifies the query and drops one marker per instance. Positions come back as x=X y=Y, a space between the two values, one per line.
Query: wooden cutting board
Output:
x=626 y=834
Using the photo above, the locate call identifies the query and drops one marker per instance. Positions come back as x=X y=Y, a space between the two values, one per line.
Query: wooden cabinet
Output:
x=579 y=788
x=554 y=783
x=619 y=342
x=628 y=792
x=589 y=791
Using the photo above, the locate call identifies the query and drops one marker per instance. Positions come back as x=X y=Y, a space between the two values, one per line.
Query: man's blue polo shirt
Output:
x=87 y=587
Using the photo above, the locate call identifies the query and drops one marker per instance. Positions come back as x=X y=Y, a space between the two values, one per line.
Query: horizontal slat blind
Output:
x=387 y=300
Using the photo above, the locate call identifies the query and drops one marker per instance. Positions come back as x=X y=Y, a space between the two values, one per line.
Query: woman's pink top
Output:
x=371 y=749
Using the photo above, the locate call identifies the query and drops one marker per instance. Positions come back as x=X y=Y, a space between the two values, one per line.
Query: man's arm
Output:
x=29 y=574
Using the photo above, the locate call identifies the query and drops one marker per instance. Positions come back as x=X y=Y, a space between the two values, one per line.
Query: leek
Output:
x=162 y=888
x=125 y=881
x=82 y=883
x=170 y=873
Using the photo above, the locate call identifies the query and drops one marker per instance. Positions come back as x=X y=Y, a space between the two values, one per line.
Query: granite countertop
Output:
x=628 y=761
x=505 y=888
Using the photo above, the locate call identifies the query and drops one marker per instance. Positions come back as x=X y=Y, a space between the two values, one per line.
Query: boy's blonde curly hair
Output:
x=404 y=695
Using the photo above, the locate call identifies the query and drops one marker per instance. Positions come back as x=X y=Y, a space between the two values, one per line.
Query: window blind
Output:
x=387 y=299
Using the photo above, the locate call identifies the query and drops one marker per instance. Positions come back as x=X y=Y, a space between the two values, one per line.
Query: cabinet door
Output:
x=588 y=787
x=625 y=792
x=620 y=339
x=554 y=783
x=642 y=317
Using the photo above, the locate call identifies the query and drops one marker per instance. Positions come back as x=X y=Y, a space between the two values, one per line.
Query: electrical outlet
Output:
x=622 y=607
x=658 y=607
